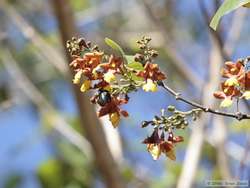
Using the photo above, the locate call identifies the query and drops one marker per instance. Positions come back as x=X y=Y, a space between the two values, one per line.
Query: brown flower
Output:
x=227 y=92
x=114 y=63
x=87 y=63
x=151 y=71
x=236 y=74
x=112 y=108
x=157 y=145
x=233 y=70
x=93 y=59
x=153 y=139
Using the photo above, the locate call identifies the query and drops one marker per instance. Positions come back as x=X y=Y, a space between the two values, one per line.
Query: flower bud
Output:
x=138 y=57
x=171 y=108
x=145 y=124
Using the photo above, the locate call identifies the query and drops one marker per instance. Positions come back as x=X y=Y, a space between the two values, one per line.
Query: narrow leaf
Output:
x=226 y=7
x=114 y=45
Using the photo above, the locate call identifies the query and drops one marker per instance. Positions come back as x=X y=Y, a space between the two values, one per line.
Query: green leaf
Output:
x=136 y=66
x=50 y=174
x=136 y=78
x=114 y=45
x=133 y=64
x=129 y=58
x=226 y=7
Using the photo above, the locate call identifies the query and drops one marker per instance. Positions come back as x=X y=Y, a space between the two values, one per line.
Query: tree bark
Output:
x=92 y=127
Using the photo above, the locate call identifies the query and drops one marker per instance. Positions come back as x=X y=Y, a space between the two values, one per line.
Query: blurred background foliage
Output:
x=34 y=155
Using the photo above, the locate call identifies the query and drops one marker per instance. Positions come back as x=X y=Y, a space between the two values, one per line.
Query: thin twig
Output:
x=238 y=115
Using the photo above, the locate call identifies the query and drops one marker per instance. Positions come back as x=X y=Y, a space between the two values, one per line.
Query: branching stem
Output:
x=238 y=115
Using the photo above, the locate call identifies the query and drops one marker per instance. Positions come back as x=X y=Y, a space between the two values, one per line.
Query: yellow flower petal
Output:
x=247 y=5
x=149 y=86
x=108 y=88
x=114 y=118
x=77 y=77
x=155 y=151
x=85 y=86
x=225 y=90
x=226 y=103
x=171 y=155
x=231 y=82
x=109 y=76
x=246 y=95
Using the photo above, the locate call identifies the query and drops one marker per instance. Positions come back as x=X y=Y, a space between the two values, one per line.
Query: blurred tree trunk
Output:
x=94 y=132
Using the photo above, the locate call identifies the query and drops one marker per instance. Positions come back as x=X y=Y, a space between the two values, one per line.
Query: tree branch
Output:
x=238 y=115
x=103 y=156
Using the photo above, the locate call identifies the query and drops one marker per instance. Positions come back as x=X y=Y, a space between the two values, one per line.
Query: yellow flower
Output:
x=149 y=86
x=108 y=88
x=77 y=77
x=226 y=103
x=114 y=118
x=154 y=150
x=246 y=95
x=109 y=76
x=231 y=82
x=85 y=86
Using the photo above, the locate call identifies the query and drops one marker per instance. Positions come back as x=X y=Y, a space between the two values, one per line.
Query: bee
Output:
x=103 y=97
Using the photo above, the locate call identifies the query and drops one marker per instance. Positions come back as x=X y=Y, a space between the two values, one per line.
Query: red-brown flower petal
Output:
x=219 y=95
x=153 y=139
x=124 y=113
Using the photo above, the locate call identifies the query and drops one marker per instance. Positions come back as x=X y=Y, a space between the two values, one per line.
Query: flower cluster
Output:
x=113 y=77
x=151 y=73
x=237 y=83
x=157 y=145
